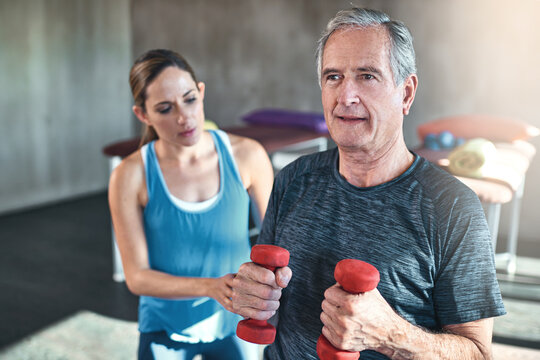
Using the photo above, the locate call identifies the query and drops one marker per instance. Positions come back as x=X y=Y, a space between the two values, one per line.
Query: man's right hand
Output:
x=257 y=290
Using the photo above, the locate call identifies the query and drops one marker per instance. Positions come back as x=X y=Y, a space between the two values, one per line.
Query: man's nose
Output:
x=349 y=93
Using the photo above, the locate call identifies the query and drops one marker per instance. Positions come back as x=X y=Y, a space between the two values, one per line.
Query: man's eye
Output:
x=368 y=77
x=190 y=100
x=332 y=77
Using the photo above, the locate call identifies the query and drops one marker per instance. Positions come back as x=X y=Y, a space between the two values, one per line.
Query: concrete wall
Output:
x=479 y=56
x=251 y=53
x=63 y=96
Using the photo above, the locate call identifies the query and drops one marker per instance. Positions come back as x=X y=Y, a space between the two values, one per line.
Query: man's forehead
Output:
x=360 y=35
x=368 y=44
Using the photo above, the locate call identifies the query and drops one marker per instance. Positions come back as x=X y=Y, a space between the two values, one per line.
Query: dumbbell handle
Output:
x=354 y=276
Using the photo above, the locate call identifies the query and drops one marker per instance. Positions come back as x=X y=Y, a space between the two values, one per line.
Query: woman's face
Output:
x=174 y=107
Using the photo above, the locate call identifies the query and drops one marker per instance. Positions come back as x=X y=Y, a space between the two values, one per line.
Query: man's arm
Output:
x=470 y=340
x=357 y=322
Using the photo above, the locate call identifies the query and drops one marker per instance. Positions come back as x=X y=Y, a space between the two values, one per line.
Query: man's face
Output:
x=362 y=105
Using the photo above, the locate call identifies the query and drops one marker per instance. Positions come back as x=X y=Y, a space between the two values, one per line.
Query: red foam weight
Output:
x=259 y=331
x=256 y=331
x=327 y=351
x=356 y=276
x=270 y=256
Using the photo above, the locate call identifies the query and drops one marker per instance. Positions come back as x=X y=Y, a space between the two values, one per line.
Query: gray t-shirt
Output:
x=424 y=231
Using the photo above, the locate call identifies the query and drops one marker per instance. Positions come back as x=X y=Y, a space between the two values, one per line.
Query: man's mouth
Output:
x=351 y=118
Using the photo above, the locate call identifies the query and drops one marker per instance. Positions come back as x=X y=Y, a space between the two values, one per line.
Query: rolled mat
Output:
x=473 y=159
x=279 y=117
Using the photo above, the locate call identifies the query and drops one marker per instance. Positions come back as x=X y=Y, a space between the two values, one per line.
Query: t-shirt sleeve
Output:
x=466 y=287
x=278 y=197
x=267 y=234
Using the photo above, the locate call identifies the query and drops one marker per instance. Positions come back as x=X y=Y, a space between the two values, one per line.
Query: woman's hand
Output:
x=220 y=289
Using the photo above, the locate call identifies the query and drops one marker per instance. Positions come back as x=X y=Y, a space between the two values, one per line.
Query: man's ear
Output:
x=409 y=91
x=141 y=114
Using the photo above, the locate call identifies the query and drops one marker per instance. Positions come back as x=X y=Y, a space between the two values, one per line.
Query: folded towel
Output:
x=473 y=159
x=210 y=125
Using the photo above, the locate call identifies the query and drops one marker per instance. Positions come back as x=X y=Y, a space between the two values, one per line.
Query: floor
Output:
x=56 y=261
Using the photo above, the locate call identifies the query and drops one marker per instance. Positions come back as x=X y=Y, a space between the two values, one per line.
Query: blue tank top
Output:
x=208 y=242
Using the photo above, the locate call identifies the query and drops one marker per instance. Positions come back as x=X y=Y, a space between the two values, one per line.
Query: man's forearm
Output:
x=406 y=341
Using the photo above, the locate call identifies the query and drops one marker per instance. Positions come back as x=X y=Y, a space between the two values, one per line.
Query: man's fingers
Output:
x=330 y=309
x=251 y=313
x=249 y=301
x=283 y=276
x=336 y=339
x=253 y=288
x=255 y=291
x=257 y=274
x=253 y=307
x=334 y=293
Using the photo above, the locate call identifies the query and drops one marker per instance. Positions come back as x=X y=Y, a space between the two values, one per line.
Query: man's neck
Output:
x=363 y=168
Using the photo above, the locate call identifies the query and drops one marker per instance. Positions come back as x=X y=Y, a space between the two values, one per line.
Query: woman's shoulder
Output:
x=246 y=149
x=129 y=174
x=252 y=161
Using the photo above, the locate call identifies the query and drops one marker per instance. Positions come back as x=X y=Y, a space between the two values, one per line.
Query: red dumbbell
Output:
x=354 y=276
x=259 y=331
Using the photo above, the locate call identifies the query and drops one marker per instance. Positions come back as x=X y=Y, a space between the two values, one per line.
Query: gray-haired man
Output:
x=374 y=200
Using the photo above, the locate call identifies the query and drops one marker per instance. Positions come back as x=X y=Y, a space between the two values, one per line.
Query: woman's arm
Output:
x=127 y=199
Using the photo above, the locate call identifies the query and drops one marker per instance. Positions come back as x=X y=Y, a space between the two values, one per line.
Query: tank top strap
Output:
x=151 y=167
x=226 y=157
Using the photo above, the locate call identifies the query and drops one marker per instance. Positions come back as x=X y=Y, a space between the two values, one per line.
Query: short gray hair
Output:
x=402 y=57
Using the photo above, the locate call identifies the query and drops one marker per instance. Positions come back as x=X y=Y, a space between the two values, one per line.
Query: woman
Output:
x=180 y=207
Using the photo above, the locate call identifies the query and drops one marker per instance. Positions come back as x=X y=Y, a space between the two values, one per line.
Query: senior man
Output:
x=373 y=199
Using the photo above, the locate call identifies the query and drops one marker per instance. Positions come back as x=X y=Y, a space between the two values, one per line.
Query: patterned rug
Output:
x=83 y=336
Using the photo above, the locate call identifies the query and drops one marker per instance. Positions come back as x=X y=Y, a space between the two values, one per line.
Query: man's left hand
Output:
x=356 y=322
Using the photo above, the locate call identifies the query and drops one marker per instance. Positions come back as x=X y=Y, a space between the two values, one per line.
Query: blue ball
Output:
x=459 y=141
x=431 y=142
x=446 y=140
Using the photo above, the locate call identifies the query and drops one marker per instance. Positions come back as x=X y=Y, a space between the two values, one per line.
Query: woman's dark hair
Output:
x=145 y=69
